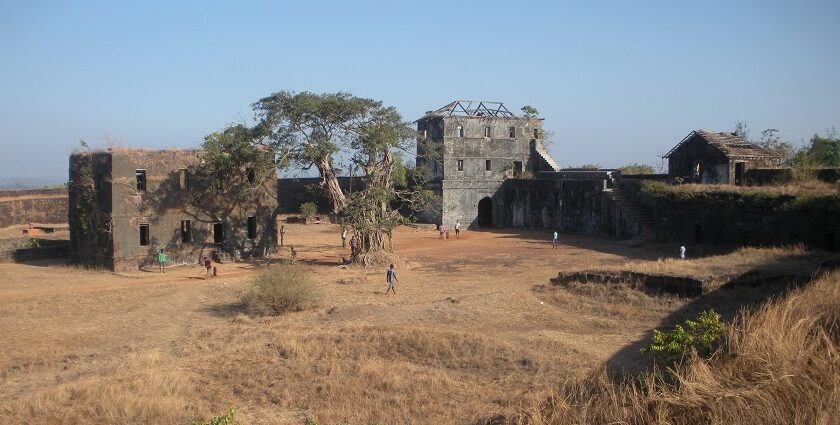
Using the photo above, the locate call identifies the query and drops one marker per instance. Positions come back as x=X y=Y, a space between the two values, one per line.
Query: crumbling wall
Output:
x=731 y=218
x=569 y=206
x=33 y=206
x=292 y=192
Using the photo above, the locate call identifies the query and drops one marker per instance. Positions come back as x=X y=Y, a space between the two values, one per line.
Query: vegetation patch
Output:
x=279 y=290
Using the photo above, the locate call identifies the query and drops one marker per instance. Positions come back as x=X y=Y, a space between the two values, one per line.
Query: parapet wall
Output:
x=732 y=218
x=33 y=206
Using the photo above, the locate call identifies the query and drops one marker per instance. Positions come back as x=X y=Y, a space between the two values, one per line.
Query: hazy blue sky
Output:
x=616 y=81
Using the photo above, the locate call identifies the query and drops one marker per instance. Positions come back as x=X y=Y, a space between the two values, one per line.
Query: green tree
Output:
x=636 y=168
x=771 y=141
x=825 y=150
x=530 y=112
x=310 y=129
x=376 y=144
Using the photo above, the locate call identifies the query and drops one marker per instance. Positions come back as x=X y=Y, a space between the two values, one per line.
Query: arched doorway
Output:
x=485 y=212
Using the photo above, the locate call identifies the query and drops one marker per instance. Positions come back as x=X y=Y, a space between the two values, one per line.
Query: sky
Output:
x=616 y=81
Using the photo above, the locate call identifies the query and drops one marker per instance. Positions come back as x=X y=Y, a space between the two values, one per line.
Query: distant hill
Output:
x=7 y=183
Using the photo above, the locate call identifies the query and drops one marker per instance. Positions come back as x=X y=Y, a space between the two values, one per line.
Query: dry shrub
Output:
x=781 y=365
x=280 y=289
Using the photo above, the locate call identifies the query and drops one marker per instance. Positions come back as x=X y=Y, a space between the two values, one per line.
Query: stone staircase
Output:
x=546 y=156
x=217 y=254
x=638 y=220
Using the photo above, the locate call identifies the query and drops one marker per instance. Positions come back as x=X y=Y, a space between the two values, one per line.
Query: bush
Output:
x=280 y=289
x=226 y=419
x=308 y=210
x=702 y=335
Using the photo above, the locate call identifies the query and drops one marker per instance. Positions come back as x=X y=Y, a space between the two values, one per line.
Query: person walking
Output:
x=554 y=240
x=208 y=267
x=282 y=233
x=682 y=252
x=391 y=278
x=442 y=230
x=293 y=254
x=344 y=237
x=161 y=258
x=457 y=229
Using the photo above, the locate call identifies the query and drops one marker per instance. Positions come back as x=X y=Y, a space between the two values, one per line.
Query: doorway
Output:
x=485 y=212
x=218 y=232
x=739 y=173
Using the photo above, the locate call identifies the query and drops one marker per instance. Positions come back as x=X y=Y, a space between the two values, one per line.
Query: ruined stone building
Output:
x=126 y=204
x=470 y=148
x=715 y=158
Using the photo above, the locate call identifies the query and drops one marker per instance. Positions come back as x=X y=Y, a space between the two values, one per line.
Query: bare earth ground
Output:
x=473 y=331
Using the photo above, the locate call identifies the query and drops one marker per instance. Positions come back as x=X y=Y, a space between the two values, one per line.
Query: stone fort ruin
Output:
x=126 y=204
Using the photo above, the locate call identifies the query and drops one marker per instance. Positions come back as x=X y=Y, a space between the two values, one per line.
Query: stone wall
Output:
x=33 y=206
x=569 y=206
x=292 y=192
x=733 y=219
x=110 y=213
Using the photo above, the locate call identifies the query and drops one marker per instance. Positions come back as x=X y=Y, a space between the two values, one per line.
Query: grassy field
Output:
x=474 y=332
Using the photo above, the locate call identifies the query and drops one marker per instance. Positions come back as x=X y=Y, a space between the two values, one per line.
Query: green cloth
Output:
x=161 y=257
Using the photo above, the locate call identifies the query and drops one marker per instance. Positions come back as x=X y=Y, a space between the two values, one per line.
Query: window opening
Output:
x=460 y=165
x=512 y=132
x=486 y=165
x=218 y=232
x=140 y=175
x=186 y=231
x=459 y=131
x=144 y=235
x=252 y=227
x=182 y=178
x=487 y=132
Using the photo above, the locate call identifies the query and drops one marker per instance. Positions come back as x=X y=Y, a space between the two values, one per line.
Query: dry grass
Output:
x=788 y=260
x=781 y=365
x=475 y=331
x=143 y=388
x=813 y=187
x=280 y=289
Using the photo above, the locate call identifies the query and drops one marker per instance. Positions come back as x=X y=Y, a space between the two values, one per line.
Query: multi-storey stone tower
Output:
x=470 y=148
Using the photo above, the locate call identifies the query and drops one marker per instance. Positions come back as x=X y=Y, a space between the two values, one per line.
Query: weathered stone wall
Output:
x=569 y=206
x=175 y=192
x=33 y=206
x=769 y=176
x=729 y=218
x=471 y=158
x=292 y=192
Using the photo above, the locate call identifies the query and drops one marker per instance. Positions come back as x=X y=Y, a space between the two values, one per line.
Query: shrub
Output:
x=226 y=419
x=280 y=289
x=702 y=335
x=308 y=210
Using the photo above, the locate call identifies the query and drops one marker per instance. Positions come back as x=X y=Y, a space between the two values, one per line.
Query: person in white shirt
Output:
x=554 y=240
x=682 y=252
x=457 y=229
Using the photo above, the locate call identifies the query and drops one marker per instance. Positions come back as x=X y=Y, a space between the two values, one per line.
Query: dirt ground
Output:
x=474 y=331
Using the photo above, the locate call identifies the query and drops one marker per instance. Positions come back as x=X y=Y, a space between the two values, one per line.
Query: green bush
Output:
x=701 y=335
x=226 y=419
x=308 y=210
x=279 y=290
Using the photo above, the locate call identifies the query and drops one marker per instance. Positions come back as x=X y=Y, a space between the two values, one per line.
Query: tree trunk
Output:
x=330 y=181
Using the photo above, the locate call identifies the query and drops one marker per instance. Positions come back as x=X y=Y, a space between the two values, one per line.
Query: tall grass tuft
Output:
x=279 y=290
x=780 y=365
